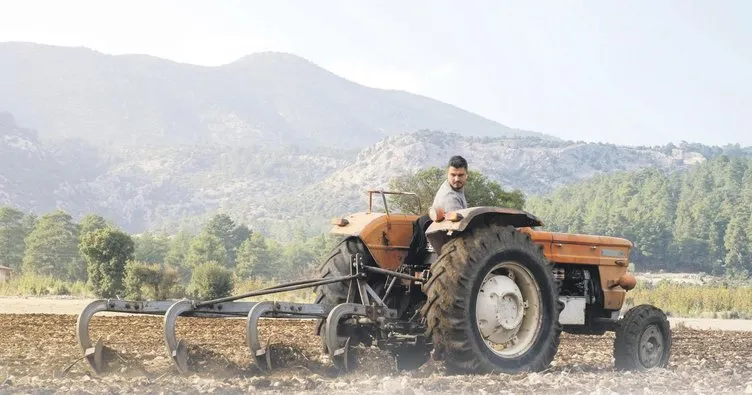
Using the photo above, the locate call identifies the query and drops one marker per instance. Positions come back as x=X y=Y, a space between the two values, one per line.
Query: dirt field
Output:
x=38 y=354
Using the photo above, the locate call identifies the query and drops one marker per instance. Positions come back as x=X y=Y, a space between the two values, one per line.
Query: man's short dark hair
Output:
x=458 y=162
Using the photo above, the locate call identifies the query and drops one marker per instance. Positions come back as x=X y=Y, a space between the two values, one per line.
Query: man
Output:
x=451 y=194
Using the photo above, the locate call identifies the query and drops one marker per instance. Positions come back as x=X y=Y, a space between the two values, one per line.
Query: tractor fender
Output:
x=387 y=238
x=440 y=231
x=353 y=225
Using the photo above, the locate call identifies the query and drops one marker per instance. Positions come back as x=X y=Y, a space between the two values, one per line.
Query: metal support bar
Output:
x=356 y=263
x=374 y=295
x=404 y=276
x=135 y=307
x=277 y=289
x=236 y=309
x=389 y=288
x=363 y=292
x=383 y=196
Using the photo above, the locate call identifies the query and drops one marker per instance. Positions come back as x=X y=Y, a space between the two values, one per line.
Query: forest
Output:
x=53 y=254
x=697 y=220
x=686 y=221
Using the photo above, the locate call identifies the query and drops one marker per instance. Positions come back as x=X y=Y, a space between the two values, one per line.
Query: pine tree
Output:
x=52 y=248
x=12 y=234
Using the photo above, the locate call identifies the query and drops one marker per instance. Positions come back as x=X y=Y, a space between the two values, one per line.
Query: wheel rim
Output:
x=651 y=346
x=508 y=309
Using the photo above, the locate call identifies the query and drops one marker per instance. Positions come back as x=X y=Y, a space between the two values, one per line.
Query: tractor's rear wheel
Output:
x=337 y=264
x=493 y=303
x=643 y=339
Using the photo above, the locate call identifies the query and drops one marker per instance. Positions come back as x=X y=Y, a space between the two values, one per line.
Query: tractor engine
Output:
x=583 y=296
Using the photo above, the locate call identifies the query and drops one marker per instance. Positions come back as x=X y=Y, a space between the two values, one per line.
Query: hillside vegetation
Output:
x=693 y=220
x=54 y=254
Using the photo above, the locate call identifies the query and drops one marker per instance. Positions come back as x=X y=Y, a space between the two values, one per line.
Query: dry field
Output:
x=39 y=354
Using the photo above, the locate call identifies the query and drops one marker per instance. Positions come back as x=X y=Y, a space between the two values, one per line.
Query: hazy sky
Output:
x=630 y=72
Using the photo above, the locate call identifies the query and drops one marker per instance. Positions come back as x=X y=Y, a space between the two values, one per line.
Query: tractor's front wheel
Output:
x=493 y=303
x=643 y=339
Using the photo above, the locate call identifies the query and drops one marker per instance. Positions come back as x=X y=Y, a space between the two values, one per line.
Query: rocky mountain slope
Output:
x=264 y=98
x=532 y=165
x=35 y=176
x=142 y=187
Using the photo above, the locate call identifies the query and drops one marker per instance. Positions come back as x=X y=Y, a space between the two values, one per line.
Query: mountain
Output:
x=140 y=188
x=272 y=188
x=265 y=98
x=271 y=139
x=535 y=166
x=32 y=175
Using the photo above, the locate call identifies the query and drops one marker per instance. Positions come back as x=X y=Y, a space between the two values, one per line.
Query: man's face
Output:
x=456 y=177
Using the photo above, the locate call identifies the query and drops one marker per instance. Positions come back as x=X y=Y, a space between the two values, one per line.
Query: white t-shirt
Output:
x=449 y=199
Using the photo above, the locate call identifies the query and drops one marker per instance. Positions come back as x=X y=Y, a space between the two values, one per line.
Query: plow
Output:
x=481 y=290
x=227 y=307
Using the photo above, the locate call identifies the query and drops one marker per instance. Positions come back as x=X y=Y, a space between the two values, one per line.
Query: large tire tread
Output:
x=629 y=331
x=446 y=311
x=337 y=264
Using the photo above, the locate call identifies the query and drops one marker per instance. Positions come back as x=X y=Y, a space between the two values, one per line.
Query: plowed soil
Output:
x=39 y=354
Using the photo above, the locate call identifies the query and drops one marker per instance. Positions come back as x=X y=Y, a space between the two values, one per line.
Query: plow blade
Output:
x=260 y=351
x=176 y=348
x=171 y=310
x=339 y=345
x=94 y=352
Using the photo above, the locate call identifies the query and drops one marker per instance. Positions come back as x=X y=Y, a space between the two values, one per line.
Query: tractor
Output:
x=481 y=289
x=495 y=293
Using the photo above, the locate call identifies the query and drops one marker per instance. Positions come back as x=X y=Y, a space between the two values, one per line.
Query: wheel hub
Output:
x=500 y=309
x=651 y=346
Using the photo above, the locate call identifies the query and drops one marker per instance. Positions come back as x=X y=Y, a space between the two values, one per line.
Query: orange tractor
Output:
x=480 y=289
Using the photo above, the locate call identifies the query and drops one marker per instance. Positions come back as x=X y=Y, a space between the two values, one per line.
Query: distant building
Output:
x=4 y=274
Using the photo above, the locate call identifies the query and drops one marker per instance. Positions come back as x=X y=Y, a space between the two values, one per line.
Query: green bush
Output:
x=210 y=281
x=152 y=281
x=106 y=252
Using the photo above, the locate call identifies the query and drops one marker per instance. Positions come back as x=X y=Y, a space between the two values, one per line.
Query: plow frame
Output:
x=370 y=310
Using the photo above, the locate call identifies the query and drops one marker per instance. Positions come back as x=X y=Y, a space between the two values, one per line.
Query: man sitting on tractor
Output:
x=451 y=194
